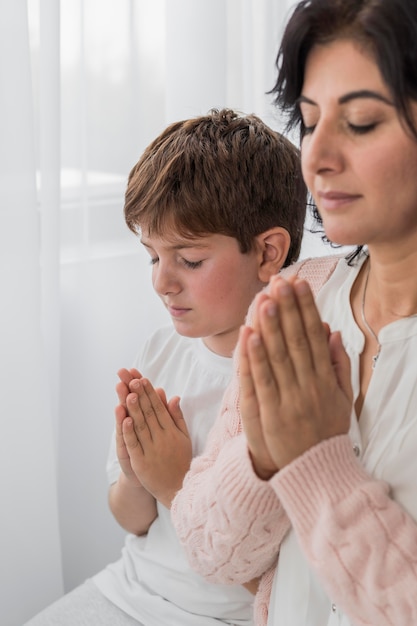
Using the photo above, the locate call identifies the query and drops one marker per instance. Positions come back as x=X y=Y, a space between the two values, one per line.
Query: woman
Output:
x=319 y=497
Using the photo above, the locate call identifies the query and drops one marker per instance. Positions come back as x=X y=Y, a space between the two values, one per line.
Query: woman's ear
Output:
x=272 y=246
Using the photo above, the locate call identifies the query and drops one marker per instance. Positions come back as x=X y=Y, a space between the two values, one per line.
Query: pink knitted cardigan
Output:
x=231 y=523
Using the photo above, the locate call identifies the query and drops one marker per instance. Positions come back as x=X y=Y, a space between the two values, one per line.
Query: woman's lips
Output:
x=332 y=200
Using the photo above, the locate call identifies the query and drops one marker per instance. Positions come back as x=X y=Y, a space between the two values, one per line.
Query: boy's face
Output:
x=205 y=283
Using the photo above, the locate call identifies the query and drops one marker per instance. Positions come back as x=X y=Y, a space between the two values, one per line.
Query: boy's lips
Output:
x=177 y=311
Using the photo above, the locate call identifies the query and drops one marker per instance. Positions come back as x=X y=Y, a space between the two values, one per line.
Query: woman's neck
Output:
x=382 y=293
x=391 y=290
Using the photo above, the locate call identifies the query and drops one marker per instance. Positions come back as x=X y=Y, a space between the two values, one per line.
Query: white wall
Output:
x=108 y=309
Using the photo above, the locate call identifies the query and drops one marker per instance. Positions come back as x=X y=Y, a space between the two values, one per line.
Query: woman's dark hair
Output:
x=385 y=28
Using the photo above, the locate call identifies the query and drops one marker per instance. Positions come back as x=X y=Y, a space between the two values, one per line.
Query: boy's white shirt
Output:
x=152 y=581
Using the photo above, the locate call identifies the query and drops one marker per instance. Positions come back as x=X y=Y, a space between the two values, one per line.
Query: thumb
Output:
x=341 y=363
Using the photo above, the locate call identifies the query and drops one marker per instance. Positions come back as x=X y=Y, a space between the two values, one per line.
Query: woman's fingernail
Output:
x=271 y=309
x=302 y=287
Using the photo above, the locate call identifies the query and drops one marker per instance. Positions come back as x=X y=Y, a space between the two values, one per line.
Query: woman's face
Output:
x=359 y=160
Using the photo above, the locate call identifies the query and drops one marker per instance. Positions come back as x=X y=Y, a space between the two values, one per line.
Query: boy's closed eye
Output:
x=190 y=264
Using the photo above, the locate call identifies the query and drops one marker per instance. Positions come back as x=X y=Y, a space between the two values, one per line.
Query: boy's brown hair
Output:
x=222 y=173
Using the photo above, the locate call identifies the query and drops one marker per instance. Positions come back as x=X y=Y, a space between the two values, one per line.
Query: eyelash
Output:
x=192 y=265
x=356 y=130
x=362 y=130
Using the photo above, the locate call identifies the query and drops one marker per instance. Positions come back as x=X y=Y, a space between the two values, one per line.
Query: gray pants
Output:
x=84 y=606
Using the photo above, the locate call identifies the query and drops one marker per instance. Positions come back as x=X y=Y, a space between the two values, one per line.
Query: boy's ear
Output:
x=273 y=246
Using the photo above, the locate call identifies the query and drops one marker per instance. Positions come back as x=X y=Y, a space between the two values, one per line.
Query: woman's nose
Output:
x=320 y=150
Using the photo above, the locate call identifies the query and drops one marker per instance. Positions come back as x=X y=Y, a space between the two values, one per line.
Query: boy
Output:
x=219 y=203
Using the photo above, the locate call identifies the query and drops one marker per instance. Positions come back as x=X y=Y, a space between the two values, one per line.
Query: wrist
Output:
x=129 y=481
x=264 y=471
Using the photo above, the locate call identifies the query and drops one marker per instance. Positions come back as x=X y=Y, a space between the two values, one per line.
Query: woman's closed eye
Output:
x=361 y=129
x=306 y=130
x=355 y=129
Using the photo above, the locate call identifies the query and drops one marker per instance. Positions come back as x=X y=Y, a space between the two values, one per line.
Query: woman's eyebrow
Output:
x=305 y=100
x=365 y=94
x=353 y=95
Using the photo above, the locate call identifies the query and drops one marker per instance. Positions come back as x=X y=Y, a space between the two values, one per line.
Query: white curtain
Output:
x=30 y=565
x=85 y=86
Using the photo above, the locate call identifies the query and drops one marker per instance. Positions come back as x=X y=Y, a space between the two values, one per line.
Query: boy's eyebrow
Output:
x=353 y=95
x=178 y=246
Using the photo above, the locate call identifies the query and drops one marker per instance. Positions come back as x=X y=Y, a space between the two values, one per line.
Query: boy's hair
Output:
x=222 y=173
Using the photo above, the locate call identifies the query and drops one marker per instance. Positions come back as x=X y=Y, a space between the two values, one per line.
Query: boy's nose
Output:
x=164 y=281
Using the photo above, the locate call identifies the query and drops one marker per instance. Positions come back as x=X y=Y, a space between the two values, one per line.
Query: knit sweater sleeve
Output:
x=362 y=544
x=229 y=522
